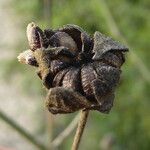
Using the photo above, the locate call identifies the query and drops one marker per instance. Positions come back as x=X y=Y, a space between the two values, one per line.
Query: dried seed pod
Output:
x=71 y=78
x=88 y=74
x=115 y=59
x=75 y=32
x=80 y=72
x=49 y=33
x=27 y=57
x=94 y=73
x=63 y=39
x=63 y=100
x=103 y=44
x=59 y=77
x=36 y=37
x=87 y=43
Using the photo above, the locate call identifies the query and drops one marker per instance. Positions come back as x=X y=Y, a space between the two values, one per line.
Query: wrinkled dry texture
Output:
x=80 y=72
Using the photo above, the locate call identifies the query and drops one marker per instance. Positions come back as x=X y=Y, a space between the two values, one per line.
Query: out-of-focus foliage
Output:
x=129 y=121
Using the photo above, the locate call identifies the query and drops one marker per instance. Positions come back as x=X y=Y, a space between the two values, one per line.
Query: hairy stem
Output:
x=80 y=129
x=22 y=131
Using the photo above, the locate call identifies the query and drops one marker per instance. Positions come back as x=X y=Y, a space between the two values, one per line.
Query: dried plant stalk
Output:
x=80 y=129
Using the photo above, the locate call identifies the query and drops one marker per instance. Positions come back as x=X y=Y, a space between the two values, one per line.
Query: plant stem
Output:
x=80 y=129
x=22 y=131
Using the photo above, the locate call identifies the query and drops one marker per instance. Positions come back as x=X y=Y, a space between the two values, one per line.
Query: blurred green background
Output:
x=127 y=127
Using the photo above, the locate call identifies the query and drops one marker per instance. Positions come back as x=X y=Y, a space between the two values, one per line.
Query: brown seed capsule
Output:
x=28 y=58
x=71 y=79
x=63 y=39
x=88 y=74
x=80 y=72
x=62 y=100
x=94 y=73
x=36 y=38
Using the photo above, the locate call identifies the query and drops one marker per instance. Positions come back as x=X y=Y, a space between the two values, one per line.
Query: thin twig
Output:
x=62 y=136
x=22 y=131
x=80 y=129
x=114 y=29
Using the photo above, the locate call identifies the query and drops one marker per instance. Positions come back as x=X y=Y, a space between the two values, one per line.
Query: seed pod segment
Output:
x=36 y=37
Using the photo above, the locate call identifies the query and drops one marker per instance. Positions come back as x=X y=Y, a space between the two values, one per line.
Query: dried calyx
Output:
x=81 y=72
